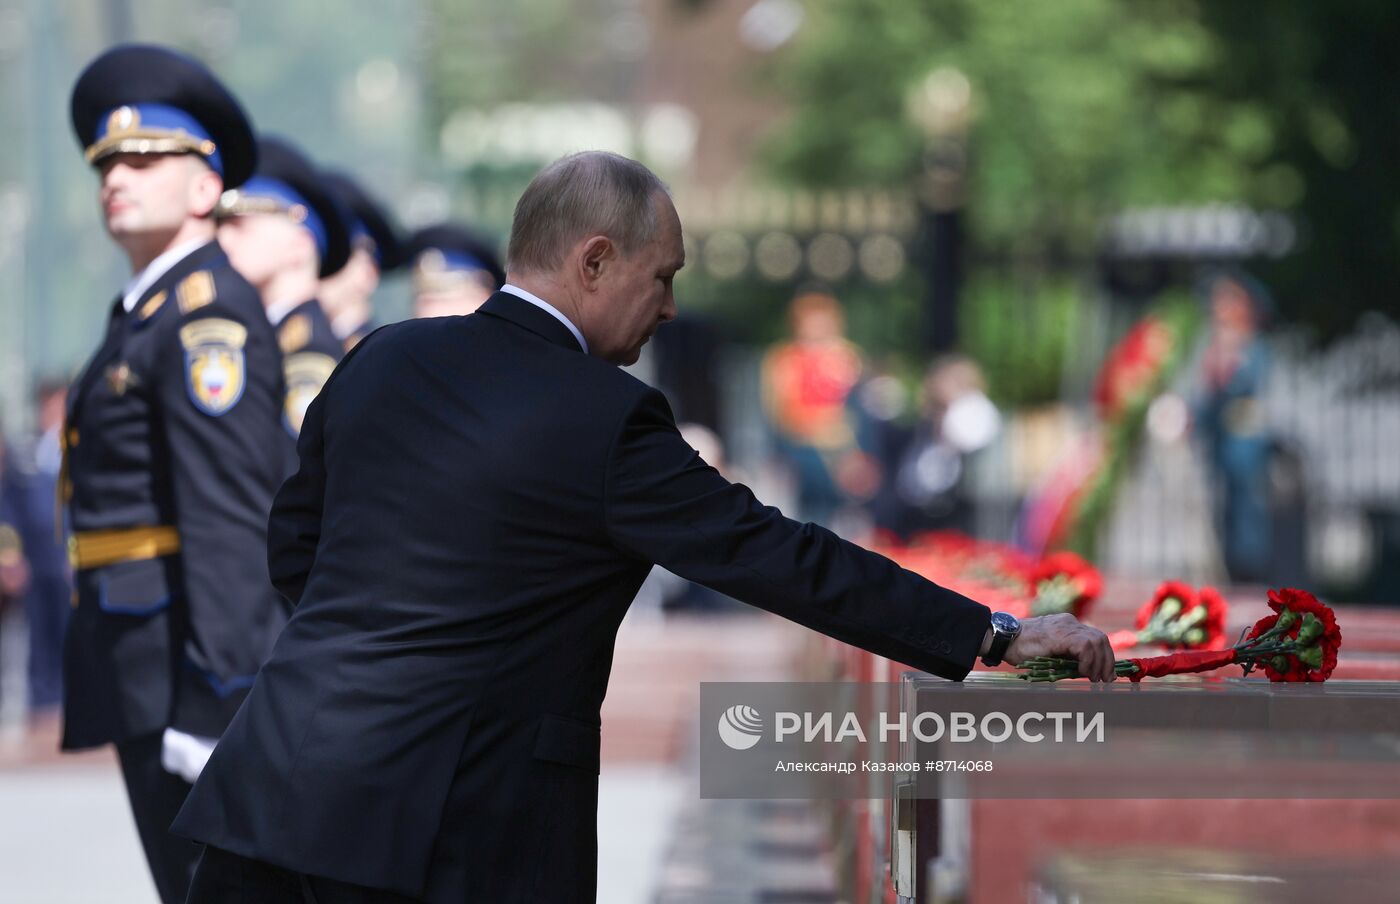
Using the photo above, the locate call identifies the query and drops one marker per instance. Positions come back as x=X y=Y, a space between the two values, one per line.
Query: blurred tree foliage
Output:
x=1081 y=108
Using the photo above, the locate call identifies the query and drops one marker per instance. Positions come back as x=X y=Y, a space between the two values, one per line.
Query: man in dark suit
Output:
x=171 y=447
x=479 y=499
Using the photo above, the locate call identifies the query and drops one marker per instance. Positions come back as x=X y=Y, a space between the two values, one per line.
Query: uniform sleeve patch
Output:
x=195 y=291
x=294 y=333
x=214 y=364
x=305 y=374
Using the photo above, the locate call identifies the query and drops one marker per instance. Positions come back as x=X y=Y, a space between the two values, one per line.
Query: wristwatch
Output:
x=1005 y=628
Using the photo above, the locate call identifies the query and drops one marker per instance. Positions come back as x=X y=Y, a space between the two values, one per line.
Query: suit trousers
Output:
x=156 y=796
x=224 y=878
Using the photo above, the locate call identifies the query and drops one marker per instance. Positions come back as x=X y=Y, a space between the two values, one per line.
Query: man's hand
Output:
x=1064 y=635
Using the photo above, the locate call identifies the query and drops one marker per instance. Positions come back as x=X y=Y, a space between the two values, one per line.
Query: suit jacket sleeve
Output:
x=222 y=473
x=665 y=505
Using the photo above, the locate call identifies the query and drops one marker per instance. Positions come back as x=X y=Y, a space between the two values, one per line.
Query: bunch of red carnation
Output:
x=1299 y=642
x=1132 y=367
x=998 y=575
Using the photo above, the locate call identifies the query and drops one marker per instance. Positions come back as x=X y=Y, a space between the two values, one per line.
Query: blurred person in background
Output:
x=14 y=570
x=806 y=382
x=925 y=464
x=1230 y=422
x=454 y=270
x=47 y=603
x=173 y=447
x=285 y=231
x=375 y=250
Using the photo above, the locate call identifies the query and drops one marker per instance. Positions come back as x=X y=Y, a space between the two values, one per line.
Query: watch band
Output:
x=996 y=650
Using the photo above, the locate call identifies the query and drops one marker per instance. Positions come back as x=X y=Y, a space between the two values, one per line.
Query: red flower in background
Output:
x=995 y=574
x=1214 y=623
x=1063 y=582
x=1180 y=591
x=1132 y=366
x=1180 y=617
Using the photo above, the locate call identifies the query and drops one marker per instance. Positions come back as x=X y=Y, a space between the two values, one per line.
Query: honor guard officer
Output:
x=285 y=232
x=172 y=454
x=374 y=250
x=454 y=270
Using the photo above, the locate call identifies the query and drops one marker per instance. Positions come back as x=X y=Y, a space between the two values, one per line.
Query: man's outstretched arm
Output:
x=666 y=505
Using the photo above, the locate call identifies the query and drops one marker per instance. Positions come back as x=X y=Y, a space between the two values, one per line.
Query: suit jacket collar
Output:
x=523 y=314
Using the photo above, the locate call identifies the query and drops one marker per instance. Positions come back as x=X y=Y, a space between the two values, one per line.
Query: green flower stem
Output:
x=1192 y=618
x=1310 y=631
x=1051 y=668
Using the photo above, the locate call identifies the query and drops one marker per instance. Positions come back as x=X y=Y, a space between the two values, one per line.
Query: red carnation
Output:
x=1298 y=643
x=1214 y=623
x=1180 y=591
x=1063 y=582
x=1328 y=636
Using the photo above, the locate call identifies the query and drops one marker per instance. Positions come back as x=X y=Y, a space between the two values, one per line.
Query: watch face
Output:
x=1005 y=623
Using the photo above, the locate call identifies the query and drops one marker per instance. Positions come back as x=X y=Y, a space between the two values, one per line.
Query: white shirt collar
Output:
x=277 y=311
x=348 y=322
x=156 y=269
x=548 y=309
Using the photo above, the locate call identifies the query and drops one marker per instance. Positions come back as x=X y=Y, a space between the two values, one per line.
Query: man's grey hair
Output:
x=583 y=194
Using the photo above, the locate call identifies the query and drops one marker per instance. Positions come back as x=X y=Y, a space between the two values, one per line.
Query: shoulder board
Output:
x=153 y=304
x=294 y=333
x=195 y=291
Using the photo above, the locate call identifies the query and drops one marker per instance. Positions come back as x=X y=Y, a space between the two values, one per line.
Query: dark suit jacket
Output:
x=476 y=506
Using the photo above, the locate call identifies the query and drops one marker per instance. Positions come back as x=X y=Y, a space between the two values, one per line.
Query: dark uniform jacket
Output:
x=310 y=352
x=174 y=422
x=476 y=506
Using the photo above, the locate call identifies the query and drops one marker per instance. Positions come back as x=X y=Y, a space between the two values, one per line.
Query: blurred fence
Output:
x=1333 y=478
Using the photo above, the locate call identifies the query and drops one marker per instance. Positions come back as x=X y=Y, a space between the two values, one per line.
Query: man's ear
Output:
x=205 y=191
x=593 y=258
x=304 y=246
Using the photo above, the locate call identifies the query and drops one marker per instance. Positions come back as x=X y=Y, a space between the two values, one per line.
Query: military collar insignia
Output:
x=294 y=333
x=152 y=305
